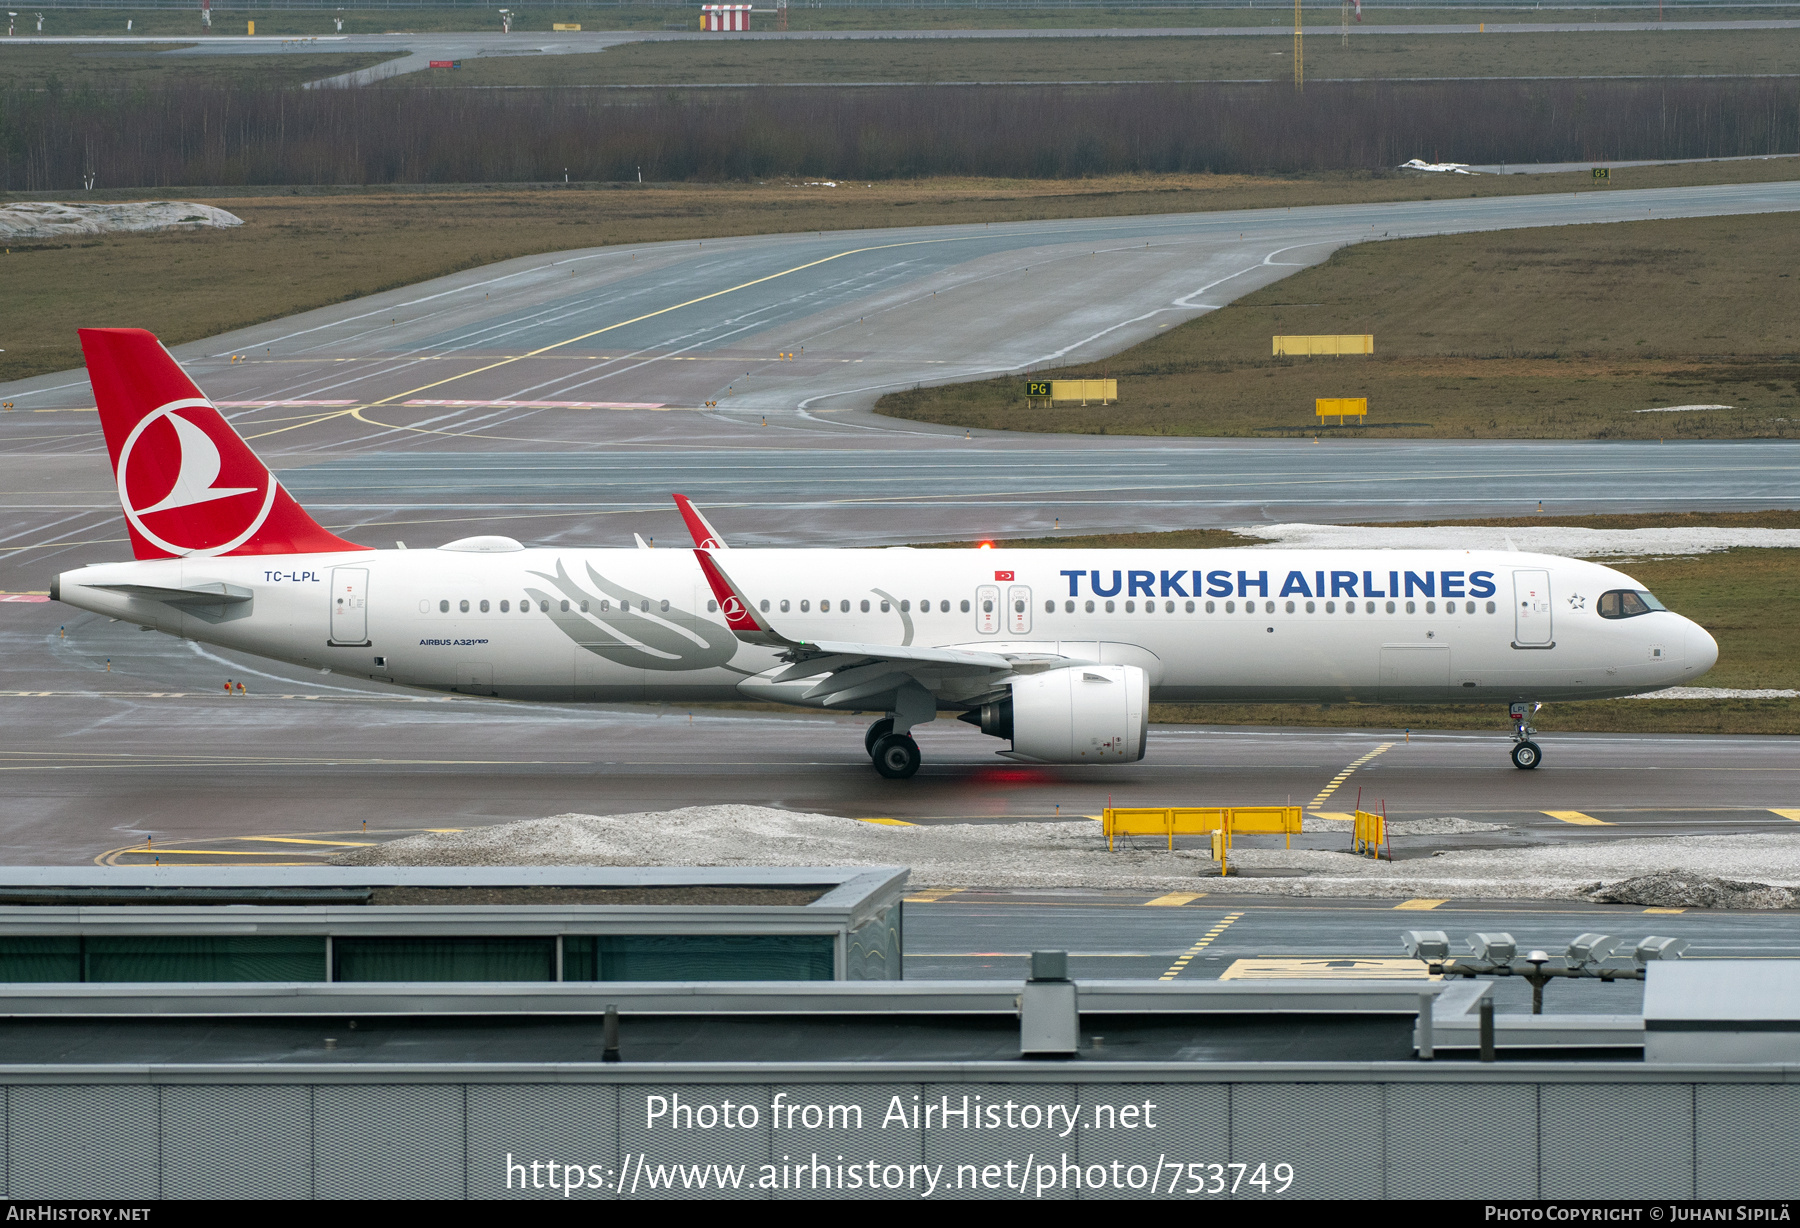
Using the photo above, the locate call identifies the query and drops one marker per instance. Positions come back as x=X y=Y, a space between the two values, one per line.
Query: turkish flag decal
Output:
x=1003 y=575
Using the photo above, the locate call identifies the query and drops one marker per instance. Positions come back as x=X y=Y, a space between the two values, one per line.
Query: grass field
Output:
x=186 y=22
x=1562 y=332
x=144 y=66
x=1621 y=53
x=1743 y=597
x=301 y=249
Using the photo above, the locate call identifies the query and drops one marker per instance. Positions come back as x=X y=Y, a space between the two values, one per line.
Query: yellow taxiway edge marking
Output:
x=1359 y=969
x=1786 y=814
x=1187 y=955
x=1666 y=910
x=1175 y=899
x=1419 y=905
x=347 y=844
x=1578 y=818
x=1340 y=816
x=930 y=895
x=889 y=822
x=155 y=852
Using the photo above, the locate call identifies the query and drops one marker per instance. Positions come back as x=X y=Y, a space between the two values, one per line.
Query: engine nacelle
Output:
x=1083 y=714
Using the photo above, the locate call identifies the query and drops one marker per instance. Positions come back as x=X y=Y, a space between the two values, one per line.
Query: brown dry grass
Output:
x=144 y=66
x=304 y=248
x=1613 y=54
x=1555 y=333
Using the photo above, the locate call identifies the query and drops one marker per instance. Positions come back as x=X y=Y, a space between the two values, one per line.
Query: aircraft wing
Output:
x=849 y=671
x=705 y=536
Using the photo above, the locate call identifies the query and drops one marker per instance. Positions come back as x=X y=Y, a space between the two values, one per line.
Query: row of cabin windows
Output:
x=843 y=606
x=465 y=606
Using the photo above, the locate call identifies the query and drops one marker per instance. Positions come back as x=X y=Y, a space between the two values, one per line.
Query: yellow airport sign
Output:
x=1105 y=391
x=1346 y=343
x=1341 y=407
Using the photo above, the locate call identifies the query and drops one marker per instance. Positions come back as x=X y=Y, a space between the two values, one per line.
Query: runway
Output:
x=560 y=398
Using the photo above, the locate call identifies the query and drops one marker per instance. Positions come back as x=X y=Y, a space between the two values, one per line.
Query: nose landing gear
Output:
x=1525 y=753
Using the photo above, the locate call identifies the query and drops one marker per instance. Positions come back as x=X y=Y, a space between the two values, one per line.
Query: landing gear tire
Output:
x=896 y=756
x=878 y=730
x=1527 y=755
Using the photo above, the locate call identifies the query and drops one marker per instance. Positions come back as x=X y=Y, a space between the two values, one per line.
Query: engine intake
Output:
x=1082 y=714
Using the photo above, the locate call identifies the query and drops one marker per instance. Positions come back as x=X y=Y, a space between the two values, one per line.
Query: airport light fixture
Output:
x=1589 y=957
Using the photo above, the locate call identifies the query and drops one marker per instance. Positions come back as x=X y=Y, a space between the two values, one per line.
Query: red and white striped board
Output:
x=726 y=17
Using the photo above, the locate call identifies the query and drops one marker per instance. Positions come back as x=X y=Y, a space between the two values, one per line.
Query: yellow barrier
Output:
x=1084 y=390
x=1192 y=821
x=1345 y=343
x=557 y=25
x=1369 y=834
x=1355 y=407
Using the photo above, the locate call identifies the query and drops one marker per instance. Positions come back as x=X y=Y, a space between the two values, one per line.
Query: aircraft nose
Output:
x=1702 y=649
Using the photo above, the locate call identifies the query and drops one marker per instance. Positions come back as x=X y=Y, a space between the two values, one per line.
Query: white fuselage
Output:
x=1260 y=625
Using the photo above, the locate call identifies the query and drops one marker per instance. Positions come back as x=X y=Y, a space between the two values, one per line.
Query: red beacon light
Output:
x=985 y=546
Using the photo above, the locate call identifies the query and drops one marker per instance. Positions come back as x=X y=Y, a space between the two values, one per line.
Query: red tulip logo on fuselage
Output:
x=186 y=491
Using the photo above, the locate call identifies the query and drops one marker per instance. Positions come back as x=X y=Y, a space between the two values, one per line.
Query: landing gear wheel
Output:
x=1527 y=755
x=878 y=730
x=896 y=756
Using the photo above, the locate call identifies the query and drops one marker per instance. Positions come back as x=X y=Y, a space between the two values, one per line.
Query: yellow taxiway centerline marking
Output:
x=889 y=822
x=1578 y=818
x=1326 y=968
x=1666 y=910
x=1187 y=955
x=346 y=844
x=1175 y=899
x=930 y=895
x=1419 y=905
x=1344 y=775
x=1786 y=814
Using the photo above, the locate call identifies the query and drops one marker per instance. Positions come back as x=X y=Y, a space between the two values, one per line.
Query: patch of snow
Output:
x=1681 y=409
x=1074 y=854
x=1571 y=542
x=51 y=220
x=1715 y=692
x=1437 y=168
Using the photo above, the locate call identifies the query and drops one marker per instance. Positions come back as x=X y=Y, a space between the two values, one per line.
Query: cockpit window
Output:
x=1627 y=603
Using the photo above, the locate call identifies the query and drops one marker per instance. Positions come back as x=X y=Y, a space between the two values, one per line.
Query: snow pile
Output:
x=1681 y=409
x=1074 y=854
x=1571 y=542
x=1716 y=692
x=1447 y=826
x=50 y=220
x=1437 y=168
x=1694 y=891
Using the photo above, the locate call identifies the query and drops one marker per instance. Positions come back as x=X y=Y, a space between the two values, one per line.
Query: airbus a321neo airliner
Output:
x=1057 y=652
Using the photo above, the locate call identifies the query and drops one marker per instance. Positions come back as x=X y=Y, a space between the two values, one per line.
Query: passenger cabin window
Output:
x=505 y=607
x=712 y=607
x=484 y=605
x=443 y=607
x=784 y=605
x=965 y=605
x=1049 y=607
x=665 y=605
x=806 y=607
x=1625 y=603
x=765 y=605
x=463 y=606
x=865 y=605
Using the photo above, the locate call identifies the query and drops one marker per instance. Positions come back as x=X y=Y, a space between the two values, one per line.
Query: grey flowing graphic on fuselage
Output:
x=632 y=629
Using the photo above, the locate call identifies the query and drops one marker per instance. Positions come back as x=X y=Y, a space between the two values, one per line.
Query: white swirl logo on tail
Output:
x=733 y=608
x=197 y=473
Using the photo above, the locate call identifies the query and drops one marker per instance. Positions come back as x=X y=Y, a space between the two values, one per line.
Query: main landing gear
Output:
x=1525 y=753
x=896 y=755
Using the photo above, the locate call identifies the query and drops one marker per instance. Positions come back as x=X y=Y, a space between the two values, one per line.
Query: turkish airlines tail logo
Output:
x=189 y=484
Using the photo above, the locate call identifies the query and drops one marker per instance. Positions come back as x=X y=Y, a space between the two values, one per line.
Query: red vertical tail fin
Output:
x=189 y=484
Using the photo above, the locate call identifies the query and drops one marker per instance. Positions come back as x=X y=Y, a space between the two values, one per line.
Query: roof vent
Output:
x=483 y=545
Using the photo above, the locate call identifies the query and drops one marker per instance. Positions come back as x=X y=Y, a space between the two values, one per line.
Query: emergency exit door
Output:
x=349 y=605
x=1531 y=610
x=1018 y=609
